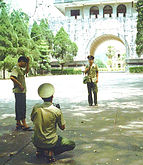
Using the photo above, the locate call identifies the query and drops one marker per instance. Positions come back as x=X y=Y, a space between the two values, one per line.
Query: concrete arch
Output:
x=95 y=42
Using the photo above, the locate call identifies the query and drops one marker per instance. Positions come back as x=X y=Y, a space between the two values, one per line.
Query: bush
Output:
x=68 y=71
x=138 y=69
x=100 y=63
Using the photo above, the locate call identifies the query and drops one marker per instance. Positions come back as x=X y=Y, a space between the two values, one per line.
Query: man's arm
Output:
x=86 y=70
x=61 y=122
x=17 y=82
x=27 y=66
x=97 y=76
x=62 y=127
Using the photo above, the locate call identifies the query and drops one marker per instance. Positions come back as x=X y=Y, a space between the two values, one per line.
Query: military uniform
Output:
x=45 y=118
x=91 y=84
x=20 y=96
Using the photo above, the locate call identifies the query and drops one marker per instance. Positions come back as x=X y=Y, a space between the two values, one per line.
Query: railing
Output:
x=70 y=1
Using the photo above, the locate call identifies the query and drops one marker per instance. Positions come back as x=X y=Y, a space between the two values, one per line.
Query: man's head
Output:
x=22 y=61
x=90 y=59
x=46 y=92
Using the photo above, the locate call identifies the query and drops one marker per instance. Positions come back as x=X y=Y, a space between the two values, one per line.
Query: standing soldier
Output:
x=18 y=78
x=92 y=71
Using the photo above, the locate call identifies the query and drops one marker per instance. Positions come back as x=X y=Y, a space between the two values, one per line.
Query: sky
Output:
x=28 y=6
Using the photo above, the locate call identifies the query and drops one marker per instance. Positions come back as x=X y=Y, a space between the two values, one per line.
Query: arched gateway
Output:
x=95 y=42
x=91 y=22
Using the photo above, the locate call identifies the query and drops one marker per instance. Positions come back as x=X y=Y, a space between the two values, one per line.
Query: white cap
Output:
x=46 y=90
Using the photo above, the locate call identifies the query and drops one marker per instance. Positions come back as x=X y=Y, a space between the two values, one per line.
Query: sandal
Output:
x=50 y=159
x=49 y=156
x=27 y=128
x=40 y=154
x=19 y=127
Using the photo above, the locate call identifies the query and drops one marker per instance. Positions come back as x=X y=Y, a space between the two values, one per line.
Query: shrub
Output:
x=68 y=71
x=138 y=69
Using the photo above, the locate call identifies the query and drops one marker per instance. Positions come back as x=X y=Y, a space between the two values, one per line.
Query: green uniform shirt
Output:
x=19 y=73
x=92 y=73
x=45 y=118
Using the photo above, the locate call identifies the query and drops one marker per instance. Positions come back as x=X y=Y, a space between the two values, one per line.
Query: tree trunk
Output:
x=62 y=67
x=4 y=71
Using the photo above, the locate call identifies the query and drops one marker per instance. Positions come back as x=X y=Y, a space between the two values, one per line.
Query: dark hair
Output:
x=22 y=58
x=49 y=99
x=90 y=57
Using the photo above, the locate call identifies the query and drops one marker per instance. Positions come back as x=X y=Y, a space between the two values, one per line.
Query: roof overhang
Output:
x=62 y=6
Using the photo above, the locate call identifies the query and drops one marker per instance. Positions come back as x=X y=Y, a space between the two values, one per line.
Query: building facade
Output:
x=89 y=23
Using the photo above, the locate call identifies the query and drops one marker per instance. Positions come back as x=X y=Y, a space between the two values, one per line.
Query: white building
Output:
x=89 y=23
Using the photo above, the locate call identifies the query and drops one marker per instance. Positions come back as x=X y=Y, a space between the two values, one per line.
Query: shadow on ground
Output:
x=110 y=134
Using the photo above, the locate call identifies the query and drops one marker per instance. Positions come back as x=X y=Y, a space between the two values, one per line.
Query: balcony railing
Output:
x=70 y=1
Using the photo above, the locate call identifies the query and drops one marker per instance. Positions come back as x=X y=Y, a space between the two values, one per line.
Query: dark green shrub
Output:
x=138 y=69
x=69 y=71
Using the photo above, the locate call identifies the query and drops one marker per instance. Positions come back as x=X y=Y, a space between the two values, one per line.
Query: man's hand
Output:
x=96 y=80
x=27 y=66
x=21 y=87
x=62 y=127
x=86 y=70
x=28 y=59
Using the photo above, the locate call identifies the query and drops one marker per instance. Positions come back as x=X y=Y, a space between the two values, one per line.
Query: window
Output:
x=119 y=55
x=94 y=11
x=75 y=13
x=121 y=9
x=107 y=10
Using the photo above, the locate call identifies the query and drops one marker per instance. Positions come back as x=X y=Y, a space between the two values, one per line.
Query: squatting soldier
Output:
x=92 y=71
x=45 y=118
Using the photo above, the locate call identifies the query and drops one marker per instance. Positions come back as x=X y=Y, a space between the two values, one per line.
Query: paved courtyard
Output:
x=110 y=134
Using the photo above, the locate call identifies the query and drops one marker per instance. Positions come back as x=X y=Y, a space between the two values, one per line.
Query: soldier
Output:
x=18 y=78
x=92 y=71
x=45 y=118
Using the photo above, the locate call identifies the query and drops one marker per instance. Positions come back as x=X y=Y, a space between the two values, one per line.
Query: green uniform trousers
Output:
x=62 y=145
x=92 y=88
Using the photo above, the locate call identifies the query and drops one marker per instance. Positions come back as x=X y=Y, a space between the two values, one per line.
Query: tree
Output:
x=64 y=49
x=110 y=54
x=21 y=29
x=2 y=4
x=8 y=41
x=47 y=33
x=26 y=46
x=139 y=37
x=36 y=33
x=43 y=37
x=100 y=63
x=44 y=57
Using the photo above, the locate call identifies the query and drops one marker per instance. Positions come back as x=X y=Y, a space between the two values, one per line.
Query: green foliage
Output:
x=15 y=41
x=8 y=41
x=2 y=4
x=109 y=62
x=47 y=33
x=9 y=62
x=138 y=69
x=69 y=71
x=44 y=56
x=36 y=33
x=19 y=22
x=26 y=46
x=110 y=52
x=64 y=48
x=139 y=37
x=100 y=63
x=43 y=38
